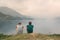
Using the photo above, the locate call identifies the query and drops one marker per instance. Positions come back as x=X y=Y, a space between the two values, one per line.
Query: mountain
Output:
x=9 y=11
x=9 y=14
x=6 y=17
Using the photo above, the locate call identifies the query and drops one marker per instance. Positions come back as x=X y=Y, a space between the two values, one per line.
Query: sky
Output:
x=34 y=8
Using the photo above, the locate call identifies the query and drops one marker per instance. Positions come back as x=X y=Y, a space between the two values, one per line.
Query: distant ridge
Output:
x=9 y=14
x=9 y=11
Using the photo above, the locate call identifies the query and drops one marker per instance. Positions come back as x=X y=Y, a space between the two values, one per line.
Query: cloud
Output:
x=42 y=8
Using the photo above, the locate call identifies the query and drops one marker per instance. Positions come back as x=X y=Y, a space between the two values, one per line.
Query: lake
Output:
x=45 y=26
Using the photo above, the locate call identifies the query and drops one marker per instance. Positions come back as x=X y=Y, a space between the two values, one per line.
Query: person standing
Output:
x=19 y=28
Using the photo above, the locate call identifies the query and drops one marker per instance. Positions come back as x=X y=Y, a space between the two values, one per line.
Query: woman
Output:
x=19 y=28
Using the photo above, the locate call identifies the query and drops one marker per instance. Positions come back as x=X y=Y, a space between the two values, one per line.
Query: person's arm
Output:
x=16 y=28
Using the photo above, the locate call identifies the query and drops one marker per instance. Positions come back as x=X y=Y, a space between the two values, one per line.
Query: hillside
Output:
x=29 y=37
x=5 y=17
x=10 y=14
x=9 y=11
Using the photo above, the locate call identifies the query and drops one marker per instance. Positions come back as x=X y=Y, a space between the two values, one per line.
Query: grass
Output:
x=2 y=36
x=29 y=37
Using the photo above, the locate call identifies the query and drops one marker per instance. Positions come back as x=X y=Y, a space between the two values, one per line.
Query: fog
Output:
x=42 y=8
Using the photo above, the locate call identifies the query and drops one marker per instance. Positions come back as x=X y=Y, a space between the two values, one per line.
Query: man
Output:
x=19 y=28
x=30 y=28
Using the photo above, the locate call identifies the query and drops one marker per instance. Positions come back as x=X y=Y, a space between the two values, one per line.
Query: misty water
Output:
x=45 y=26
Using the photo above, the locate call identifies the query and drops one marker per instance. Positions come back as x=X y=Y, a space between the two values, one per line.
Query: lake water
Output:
x=40 y=26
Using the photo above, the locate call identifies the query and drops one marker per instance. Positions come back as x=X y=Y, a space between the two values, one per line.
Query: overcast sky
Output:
x=36 y=8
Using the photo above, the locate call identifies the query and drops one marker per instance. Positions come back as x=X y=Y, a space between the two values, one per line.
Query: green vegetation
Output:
x=2 y=36
x=29 y=37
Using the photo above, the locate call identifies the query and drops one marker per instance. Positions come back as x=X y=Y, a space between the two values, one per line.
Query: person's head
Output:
x=30 y=23
x=19 y=23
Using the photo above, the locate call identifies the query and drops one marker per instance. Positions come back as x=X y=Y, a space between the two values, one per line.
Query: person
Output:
x=19 y=28
x=30 y=28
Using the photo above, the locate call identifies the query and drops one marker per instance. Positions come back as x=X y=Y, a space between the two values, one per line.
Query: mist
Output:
x=42 y=8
